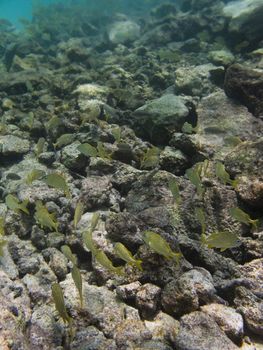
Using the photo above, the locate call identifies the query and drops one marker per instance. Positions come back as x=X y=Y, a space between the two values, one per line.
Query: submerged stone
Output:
x=158 y=118
x=245 y=17
x=124 y=31
x=245 y=85
x=198 y=331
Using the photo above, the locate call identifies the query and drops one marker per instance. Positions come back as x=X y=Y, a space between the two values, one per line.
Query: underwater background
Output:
x=131 y=175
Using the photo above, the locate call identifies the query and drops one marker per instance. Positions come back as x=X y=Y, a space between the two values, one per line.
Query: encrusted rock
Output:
x=159 y=118
x=198 y=80
x=147 y=299
x=251 y=307
x=245 y=85
x=163 y=327
x=220 y=118
x=11 y=146
x=245 y=18
x=123 y=32
x=198 y=331
x=184 y=295
x=228 y=320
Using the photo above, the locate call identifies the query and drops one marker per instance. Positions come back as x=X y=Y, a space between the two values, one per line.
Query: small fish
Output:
x=2 y=226
x=35 y=174
x=116 y=132
x=58 y=181
x=188 y=128
x=222 y=240
x=150 y=158
x=13 y=203
x=76 y=276
x=102 y=151
x=194 y=177
x=203 y=168
x=126 y=255
x=223 y=175
x=53 y=123
x=89 y=242
x=68 y=254
x=174 y=188
x=243 y=217
x=40 y=146
x=232 y=141
x=58 y=298
x=44 y=218
x=30 y=120
x=104 y=261
x=94 y=221
x=160 y=246
x=3 y=242
x=200 y=215
x=88 y=150
x=64 y=140
x=78 y=213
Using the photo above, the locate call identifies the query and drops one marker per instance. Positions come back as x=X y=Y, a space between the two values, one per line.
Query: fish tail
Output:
x=138 y=264
x=119 y=270
x=254 y=223
x=177 y=257
x=24 y=206
x=234 y=183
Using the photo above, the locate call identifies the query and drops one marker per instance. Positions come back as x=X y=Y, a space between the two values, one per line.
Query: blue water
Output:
x=14 y=10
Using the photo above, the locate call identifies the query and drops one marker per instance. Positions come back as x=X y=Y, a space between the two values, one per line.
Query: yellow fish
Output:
x=58 y=181
x=58 y=298
x=150 y=158
x=223 y=175
x=243 y=217
x=104 y=261
x=200 y=215
x=76 y=276
x=126 y=255
x=64 y=140
x=89 y=243
x=35 y=174
x=174 y=188
x=44 y=218
x=13 y=203
x=88 y=150
x=189 y=128
x=40 y=146
x=160 y=246
x=78 y=213
x=68 y=254
x=194 y=177
x=222 y=240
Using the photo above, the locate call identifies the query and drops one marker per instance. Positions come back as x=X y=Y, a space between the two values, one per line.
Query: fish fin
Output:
x=222 y=249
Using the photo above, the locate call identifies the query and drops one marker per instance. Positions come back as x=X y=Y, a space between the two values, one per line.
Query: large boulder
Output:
x=157 y=119
x=219 y=120
x=198 y=331
x=245 y=85
x=123 y=31
x=245 y=17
